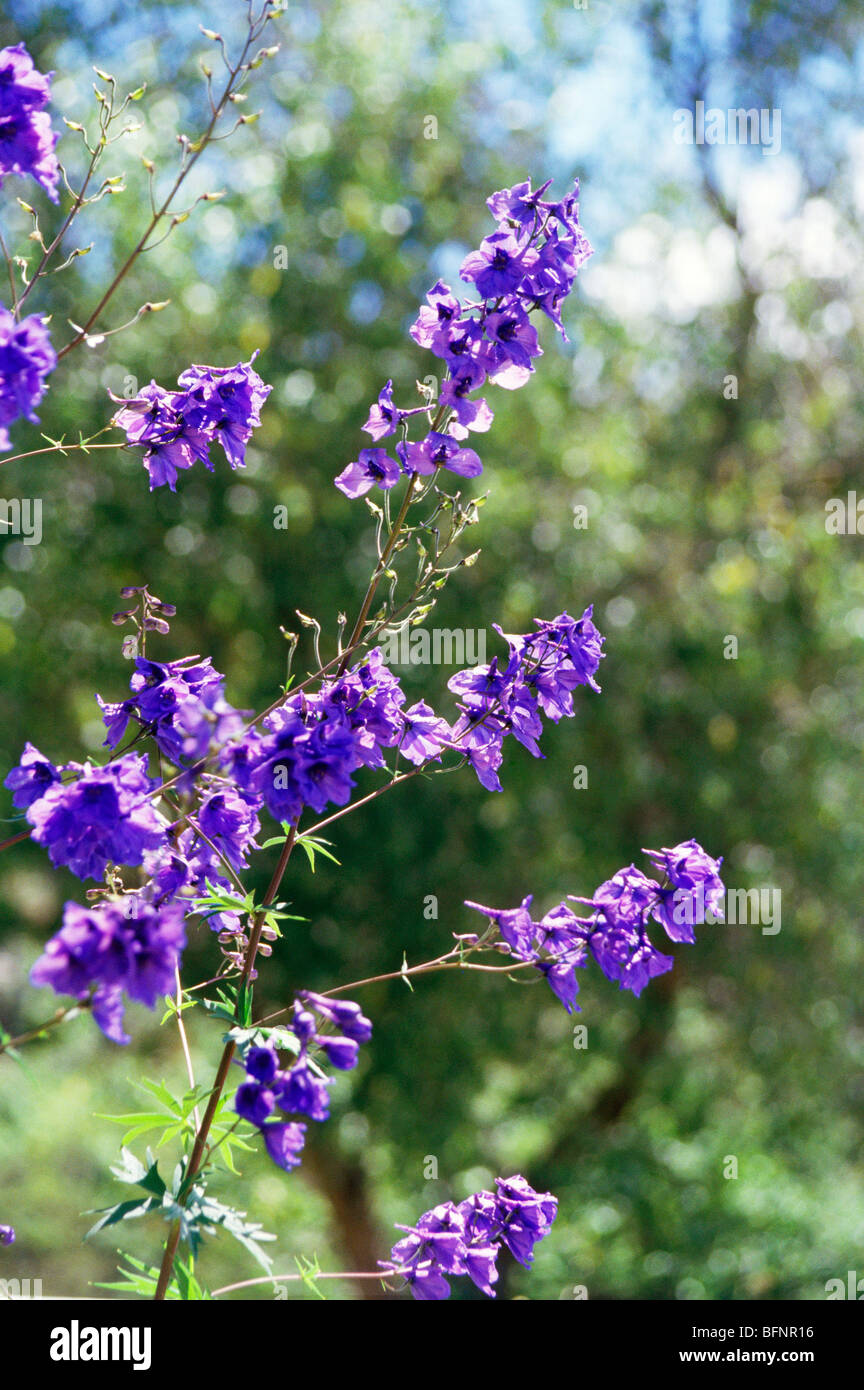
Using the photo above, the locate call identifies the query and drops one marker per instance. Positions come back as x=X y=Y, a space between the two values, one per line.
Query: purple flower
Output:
x=284 y=1142
x=467 y=414
x=619 y=941
x=230 y=823
x=160 y=693
x=439 y=451
x=345 y=1015
x=262 y=1063
x=518 y=204
x=31 y=778
x=383 y=415
x=512 y=346
x=526 y=1216
x=466 y=1239
x=440 y=311
x=133 y=947
x=372 y=468
x=213 y=404
x=26 y=359
x=530 y=262
x=7 y=1235
x=425 y=734
x=313 y=744
x=302 y=1088
x=696 y=887
x=555 y=946
x=482 y=745
x=103 y=817
x=301 y=1091
x=26 y=139
x=254 y=1102
x=500 y=264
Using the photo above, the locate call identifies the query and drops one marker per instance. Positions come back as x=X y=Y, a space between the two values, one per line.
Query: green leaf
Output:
x=124 y=1211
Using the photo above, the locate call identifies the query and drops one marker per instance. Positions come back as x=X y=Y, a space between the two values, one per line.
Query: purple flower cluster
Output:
x=530 y=262
x=104 y=816
x=115 y=946
x=26 y=359
x=616 y=932
x=302 y=1088
x=542 y=671
x=7 y=1235
x=193 y=863
x=180 y=703
x=177 y=428
x=466 y=1238
x=26 y=139
x=313 y=744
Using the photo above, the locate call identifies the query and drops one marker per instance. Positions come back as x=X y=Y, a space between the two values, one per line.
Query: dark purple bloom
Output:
x=7 y=1235
x=467 y=414
x=254 y=1102
x=221 y=404
x=555 y=946
x=302 y=1088
x=372 y=468
x=104 y=817
x=26 y=359
x=696 y=887
x=301 y=1091
x=482 y=744
x=425 y=734
x=500 y=264
x=466 y=1239
x=26 y=139
x=526 y=1216
x=441 y=310
x=314 y=743
x=131 y=946
x=519 y=204
x=619 y=940
x=347 y=1016
x=284 y=1142
x=512 y=347
x=230 y=823
x=31 y=778
x=262 y=1063
x=383 y=415
x=439 y=451
x=160 y=692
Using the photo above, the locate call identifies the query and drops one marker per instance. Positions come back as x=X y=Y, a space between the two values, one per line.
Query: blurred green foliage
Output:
x=705 y=520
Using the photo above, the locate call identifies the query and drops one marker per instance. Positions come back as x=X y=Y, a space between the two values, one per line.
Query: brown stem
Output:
x=188 y=164
x=379 y=570
x=200 y=1144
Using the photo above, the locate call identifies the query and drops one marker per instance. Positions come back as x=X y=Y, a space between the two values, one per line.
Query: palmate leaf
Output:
x=312 y=845
x=133 y=1172
x=179 y=1117
x=204 y=1212
x=124 y=1211
x=141 y=1279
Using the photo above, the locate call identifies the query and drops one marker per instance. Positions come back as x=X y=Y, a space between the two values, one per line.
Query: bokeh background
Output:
x=706 y=519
